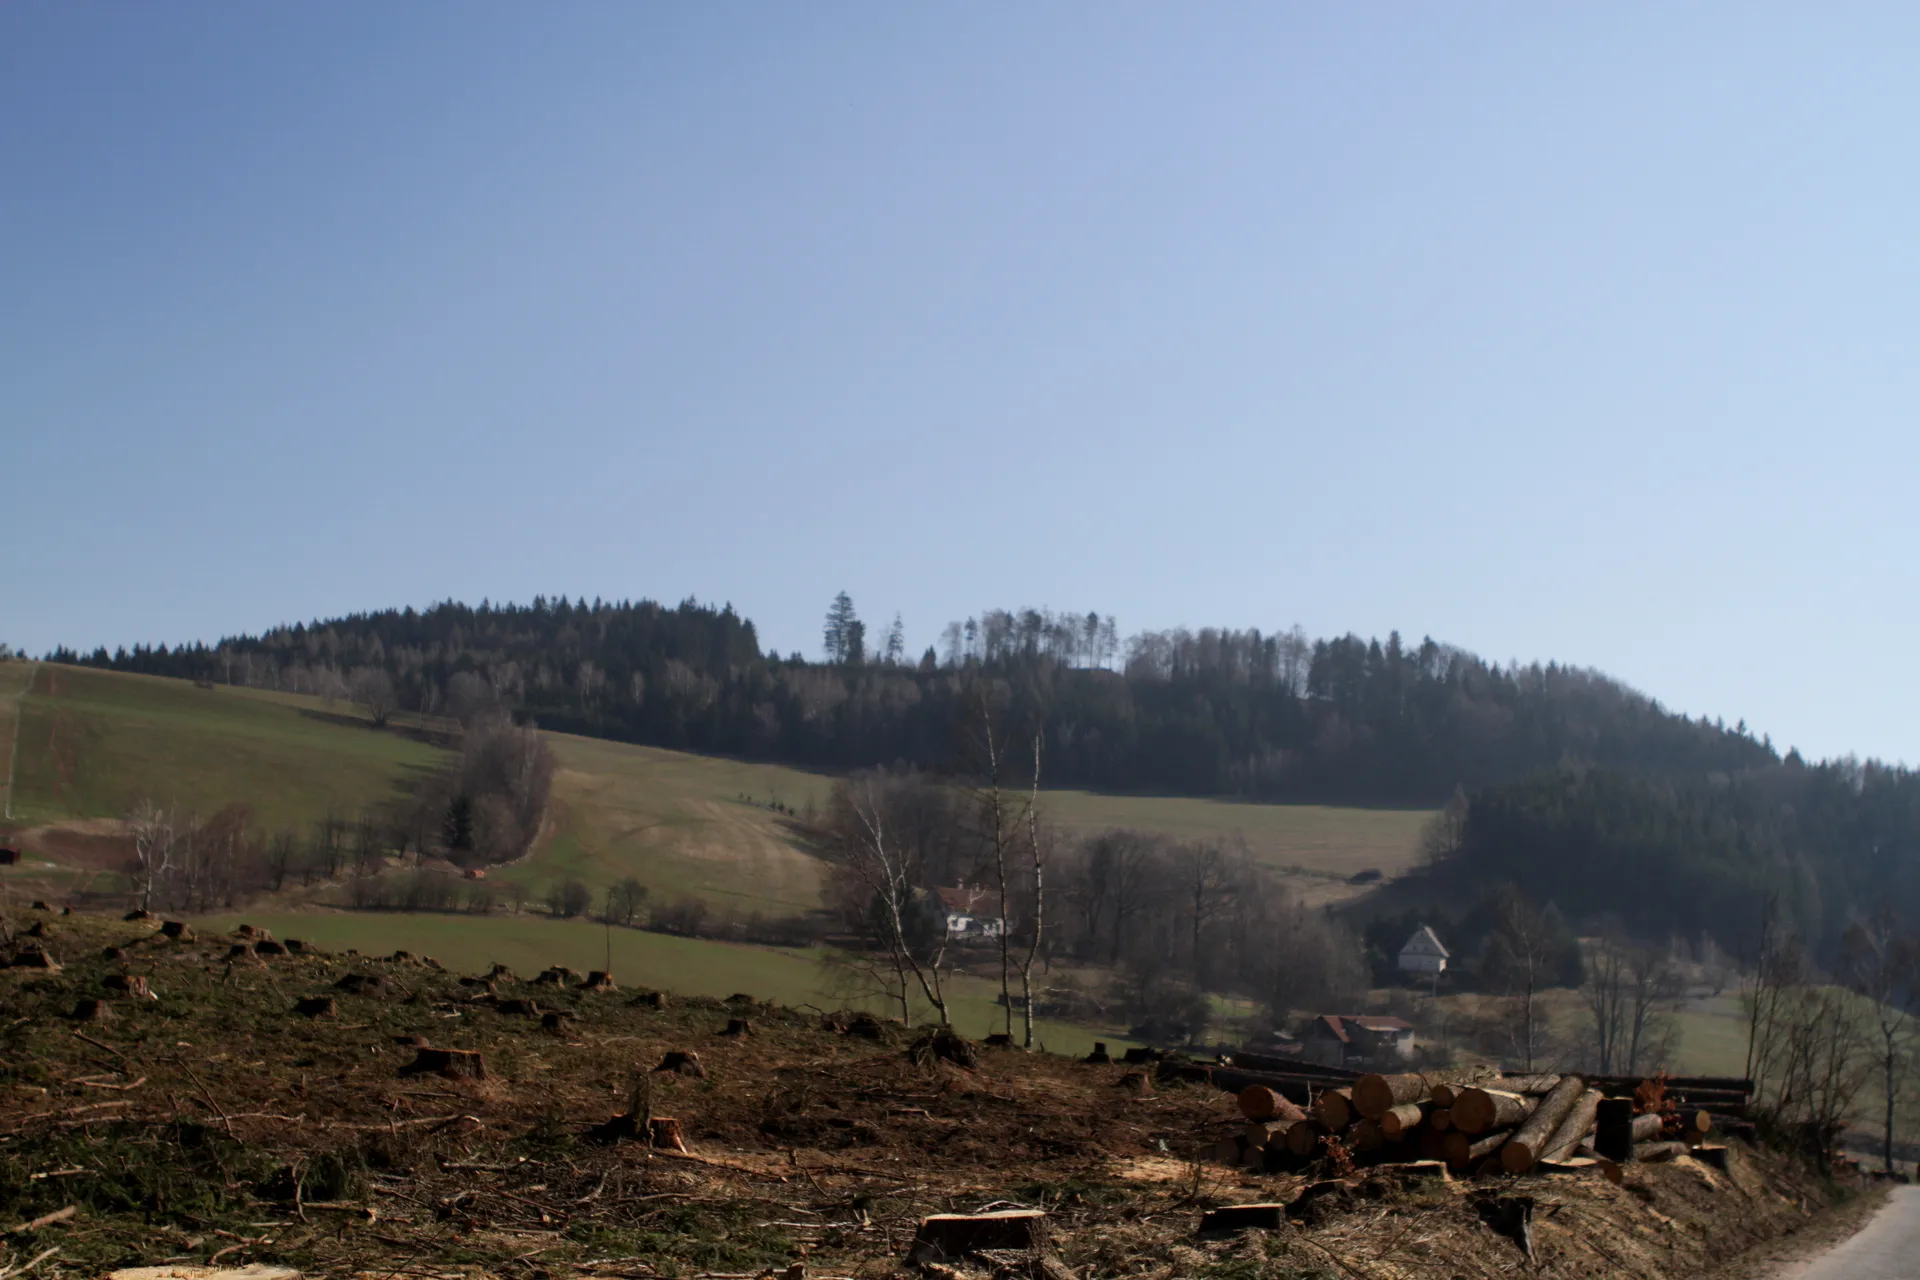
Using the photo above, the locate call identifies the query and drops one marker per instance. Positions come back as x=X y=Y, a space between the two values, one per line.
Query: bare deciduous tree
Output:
x=887 y=874
x=153 y=840
x=1882 y=964
x=372 y=688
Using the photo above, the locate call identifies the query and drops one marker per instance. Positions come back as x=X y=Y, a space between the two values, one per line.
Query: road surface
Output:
x=1887 y=1248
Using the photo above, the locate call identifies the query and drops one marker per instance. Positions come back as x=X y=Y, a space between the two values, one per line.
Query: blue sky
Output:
x=1571 y=332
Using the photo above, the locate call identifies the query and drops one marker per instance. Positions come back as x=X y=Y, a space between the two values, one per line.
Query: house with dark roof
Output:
x=1357 y=1040
x=972 y=914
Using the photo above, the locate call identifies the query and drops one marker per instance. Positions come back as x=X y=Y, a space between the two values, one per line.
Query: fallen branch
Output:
x=47 y=1220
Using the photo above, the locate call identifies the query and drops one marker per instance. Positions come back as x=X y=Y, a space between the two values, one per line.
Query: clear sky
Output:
x=1583 y=332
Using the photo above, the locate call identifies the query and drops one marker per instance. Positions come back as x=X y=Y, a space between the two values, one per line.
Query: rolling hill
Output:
x=93 y=744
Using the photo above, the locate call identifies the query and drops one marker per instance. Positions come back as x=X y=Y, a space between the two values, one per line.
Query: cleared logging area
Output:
x=417 y=1118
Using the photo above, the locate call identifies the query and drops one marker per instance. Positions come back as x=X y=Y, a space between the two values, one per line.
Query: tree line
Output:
x=1267 y=715
x=1831 y=843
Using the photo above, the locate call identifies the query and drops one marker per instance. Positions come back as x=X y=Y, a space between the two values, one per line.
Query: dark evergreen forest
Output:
x=1209 y=712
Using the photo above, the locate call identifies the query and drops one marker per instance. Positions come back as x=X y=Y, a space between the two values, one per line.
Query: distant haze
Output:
x=1552 y=332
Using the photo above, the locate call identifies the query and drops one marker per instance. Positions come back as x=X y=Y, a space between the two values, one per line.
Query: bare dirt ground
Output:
x=212 y=1122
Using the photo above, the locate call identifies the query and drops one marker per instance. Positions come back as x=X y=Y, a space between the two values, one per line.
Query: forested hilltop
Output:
x=1209 y=712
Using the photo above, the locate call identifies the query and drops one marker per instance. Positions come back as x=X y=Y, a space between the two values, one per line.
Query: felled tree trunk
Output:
x=1536 y=1134
x=1480 y=1110
x=1573 y=1127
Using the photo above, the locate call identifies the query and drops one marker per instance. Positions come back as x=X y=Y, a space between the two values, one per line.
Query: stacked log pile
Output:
x=1477 y=1122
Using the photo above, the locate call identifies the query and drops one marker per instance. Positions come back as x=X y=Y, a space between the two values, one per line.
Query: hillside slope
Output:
x=93 y=744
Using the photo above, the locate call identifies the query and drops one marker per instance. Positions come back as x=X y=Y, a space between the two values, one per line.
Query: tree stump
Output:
x=867 y=1027
x=40 y=929
x=176 y=930
x=1138 y=1055
x=242 y=953
x=1099 y=1057
x=555 y=1020
x=1138 y=1083
x=651 y=1000
x=950 y=1237
x=401 y=957
x=500 y=973
x=454 y=1064
x=1714 y=1156
x=740 y=997
x=682 y=1063
x=1613 y=1129
x=138 y=915
x=133 y=985
x=38 y=905
x=999 y=1040
x=482 y=983
x=113 y=953
x=245 y=931
x=91 y=1010
x=268 y=947
x=296 y=946
x=361 y=984
x=945 y=1045
x=316 y=1007
x=519 y=1008
x=36 y=959
x=663 y=1132
x=599 y=980
x=737 y=1027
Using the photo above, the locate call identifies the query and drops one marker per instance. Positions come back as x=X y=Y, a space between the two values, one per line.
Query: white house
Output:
x=971 y=913
x=1423 y=953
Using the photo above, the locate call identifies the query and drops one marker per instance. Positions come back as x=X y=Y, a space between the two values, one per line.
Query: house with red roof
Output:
x=1357 y=1040
x=973 y=914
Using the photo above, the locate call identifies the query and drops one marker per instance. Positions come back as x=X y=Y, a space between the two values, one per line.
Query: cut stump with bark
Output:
x=91 y=1010
x=682 y=1063
x=951 y=1237
x=36 y=958
x=178 y=930
x=316 y=1007
x=737 y=1027
x=943 y=1044
x=599 y=980
x=1099 y=1057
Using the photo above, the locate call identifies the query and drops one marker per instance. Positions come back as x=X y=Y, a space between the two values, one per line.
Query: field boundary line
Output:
x=13 y=746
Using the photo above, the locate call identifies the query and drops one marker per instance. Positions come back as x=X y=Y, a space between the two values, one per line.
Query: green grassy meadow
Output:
x=685 y=966
x=686 y=826
x=15 y=677
x=93 y=744
x=1285 y=837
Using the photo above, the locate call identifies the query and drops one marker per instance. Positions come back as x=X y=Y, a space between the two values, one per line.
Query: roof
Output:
x=1424 y=943
x=1337 y=1024
x=971 y=901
